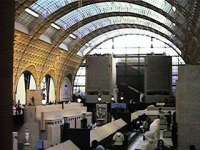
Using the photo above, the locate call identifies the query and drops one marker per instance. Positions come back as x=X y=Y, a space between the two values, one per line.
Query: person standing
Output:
x=18 y=108
x=174 y=130
x=84 y=121
x=168 y=118
x=161 y=145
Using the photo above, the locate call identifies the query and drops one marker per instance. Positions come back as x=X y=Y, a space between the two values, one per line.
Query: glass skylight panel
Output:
x=125 y=49
x=47 y=7
x=162 y=4
x=31 y=12
x=81 y=32
x=99 y=8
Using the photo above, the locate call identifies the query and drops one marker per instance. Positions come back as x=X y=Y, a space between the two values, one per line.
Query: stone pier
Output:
x=188 y=107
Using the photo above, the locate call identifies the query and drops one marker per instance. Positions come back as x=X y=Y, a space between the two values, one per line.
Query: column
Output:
x=6 y=72
x=188 y=107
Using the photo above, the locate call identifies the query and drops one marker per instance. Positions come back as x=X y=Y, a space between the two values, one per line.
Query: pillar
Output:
x=188 y=106
x=6 y=72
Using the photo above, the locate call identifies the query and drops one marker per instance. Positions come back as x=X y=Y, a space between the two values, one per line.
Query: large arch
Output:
x=123 y=47
x=94 y=46
x=118 y=35
x=30 y=68
x=66 y=90
x=110 y=28
x=107 y=29
x=49 y=89
x=103 y=30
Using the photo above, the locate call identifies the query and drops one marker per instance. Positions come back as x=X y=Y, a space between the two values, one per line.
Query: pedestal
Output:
x=15 y=141
x=27 y=146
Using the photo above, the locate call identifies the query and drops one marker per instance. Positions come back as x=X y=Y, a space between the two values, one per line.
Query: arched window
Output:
x=26 y=82
x=48 y=87
x=66 y=90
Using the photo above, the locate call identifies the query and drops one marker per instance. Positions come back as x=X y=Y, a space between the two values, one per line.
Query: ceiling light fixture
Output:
x=99 y=99
x=55 y=26
x=31 y=12
x=72 y=36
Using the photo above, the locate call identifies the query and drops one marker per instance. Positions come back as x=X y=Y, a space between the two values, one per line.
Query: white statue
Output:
x=27 y=137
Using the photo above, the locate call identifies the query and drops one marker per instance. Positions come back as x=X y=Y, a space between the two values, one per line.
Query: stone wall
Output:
x=40 y=60
x=188 y=107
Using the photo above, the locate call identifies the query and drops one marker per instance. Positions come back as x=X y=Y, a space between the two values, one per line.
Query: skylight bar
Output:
x=31 y=12
x=55 y=26
x=72 y=36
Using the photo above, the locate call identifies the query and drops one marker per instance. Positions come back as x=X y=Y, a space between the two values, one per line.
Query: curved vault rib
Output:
x=106 y=37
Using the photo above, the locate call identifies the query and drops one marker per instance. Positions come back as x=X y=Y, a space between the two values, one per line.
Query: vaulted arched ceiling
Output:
x=173 y=18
